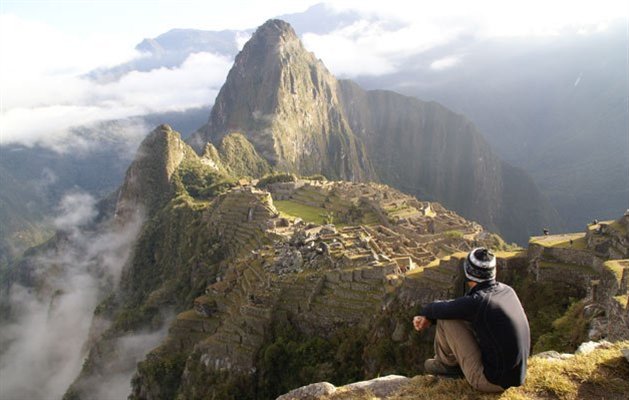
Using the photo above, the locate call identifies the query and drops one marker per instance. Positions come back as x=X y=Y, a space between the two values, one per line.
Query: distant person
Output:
x=483 y=335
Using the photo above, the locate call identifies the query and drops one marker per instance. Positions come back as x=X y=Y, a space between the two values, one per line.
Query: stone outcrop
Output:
x=148 y=181
x=310 y=392
x=375 y=388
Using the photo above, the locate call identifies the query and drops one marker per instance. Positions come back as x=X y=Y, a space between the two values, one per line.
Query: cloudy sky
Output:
x=47 y=47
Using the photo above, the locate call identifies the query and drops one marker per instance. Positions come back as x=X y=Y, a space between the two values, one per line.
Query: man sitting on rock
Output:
x=483 y=335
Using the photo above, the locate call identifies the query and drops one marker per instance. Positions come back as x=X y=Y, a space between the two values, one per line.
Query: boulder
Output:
x=314 y=391
x=553 y=355
x=377 y=388
x=380 y=387
x=588 y=347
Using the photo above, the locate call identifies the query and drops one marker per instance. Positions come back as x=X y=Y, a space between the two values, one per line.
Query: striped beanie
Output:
x=480 y=265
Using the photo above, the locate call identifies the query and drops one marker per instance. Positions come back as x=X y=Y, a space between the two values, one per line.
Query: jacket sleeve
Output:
x=464 y=308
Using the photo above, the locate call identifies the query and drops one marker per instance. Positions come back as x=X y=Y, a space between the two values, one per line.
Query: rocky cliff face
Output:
x=285 y=102
x=427 y=150
x=300 y=119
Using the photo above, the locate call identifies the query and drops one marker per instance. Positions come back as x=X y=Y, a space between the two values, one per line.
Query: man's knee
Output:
x=452 y=324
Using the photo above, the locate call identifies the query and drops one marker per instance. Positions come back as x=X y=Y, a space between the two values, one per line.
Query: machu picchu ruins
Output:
x=403 y=253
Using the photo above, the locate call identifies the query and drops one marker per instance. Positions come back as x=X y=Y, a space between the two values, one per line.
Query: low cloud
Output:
x=77 y=209
x=444 y=63
x=131 y=349
x=44 y=343
x=45 y=92
x=38 y=120
x=123 y=136
x=390 y=33
x=371 y=47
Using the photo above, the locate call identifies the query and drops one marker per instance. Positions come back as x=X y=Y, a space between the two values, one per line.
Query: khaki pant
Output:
x=455 y=344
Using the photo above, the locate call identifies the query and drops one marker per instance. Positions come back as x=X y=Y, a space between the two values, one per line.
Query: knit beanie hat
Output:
x=480 y=265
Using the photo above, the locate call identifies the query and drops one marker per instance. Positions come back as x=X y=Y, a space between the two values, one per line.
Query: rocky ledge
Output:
x=595 y=370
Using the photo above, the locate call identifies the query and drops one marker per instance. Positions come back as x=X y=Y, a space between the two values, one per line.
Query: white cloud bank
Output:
x=44 y=93
x=392 y=31
x=444 y=63
x=371 y=47
x=44 y=346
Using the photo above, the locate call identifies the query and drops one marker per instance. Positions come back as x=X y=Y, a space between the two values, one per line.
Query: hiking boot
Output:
x=436 y=367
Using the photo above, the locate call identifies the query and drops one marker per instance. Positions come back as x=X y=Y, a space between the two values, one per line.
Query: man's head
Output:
x=480 y=265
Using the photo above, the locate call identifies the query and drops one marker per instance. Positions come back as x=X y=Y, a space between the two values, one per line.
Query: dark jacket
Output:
x=501 y=328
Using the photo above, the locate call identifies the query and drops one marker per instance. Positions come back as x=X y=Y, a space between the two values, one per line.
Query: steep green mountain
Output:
x=551 y=105
x=300 y=119
x=285 y=102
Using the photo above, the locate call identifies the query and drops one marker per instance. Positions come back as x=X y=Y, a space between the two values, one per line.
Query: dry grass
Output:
x=562 y=240
x=623 y=300
x=616 y=267
x=510 y=254
x=602 y=374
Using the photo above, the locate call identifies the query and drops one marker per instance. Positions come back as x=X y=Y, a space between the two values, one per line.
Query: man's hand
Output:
x=420 y=323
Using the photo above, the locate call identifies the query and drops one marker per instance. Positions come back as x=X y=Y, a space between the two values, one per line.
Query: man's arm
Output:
x=460 y=308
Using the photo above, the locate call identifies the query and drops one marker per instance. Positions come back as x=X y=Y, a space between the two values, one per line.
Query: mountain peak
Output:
x=275 y=29
x=148 y=179
x=271 y=42
x=284 y=102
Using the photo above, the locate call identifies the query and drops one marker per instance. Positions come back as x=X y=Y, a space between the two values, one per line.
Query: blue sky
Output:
x=141 y=19
x=148 y=18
